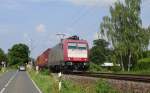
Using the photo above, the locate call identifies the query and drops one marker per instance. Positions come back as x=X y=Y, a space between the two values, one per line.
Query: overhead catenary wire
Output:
x=78 y=18
x=81 y=15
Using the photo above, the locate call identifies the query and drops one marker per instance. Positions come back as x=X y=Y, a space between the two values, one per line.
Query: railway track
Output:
x=127 y=77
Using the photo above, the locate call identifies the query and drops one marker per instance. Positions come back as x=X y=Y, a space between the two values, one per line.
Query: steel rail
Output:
x=126 y=77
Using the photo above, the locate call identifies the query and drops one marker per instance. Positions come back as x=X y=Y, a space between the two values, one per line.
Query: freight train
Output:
x=70 y=54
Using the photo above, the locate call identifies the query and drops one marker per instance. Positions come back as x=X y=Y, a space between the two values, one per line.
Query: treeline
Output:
x=127 y=37
x=17 y=55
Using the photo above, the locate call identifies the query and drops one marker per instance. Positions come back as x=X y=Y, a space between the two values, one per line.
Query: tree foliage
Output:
x=18 y=54
x=99 y=52
x=2 y=55
x=124 y=30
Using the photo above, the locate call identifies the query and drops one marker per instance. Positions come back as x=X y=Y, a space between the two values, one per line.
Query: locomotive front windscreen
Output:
x=72 y=46
x=77 y=50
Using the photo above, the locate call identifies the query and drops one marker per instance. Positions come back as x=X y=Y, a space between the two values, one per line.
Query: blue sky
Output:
x=23 y=21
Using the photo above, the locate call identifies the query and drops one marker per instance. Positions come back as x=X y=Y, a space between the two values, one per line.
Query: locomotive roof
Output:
x=70 y=40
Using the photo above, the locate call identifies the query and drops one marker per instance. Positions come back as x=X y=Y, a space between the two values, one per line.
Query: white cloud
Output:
x=40 y=28
x=102 y=3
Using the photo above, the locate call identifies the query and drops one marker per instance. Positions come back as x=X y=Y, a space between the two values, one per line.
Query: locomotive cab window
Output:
x=77 y=46
x=82 y=46
x=72 y=46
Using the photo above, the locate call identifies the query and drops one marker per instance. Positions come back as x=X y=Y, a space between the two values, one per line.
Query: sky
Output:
x=36 y=22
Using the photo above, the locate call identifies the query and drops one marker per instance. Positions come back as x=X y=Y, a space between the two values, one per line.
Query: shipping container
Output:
x=42 y=60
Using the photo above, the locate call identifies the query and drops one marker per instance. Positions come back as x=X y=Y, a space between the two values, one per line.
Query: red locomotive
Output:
x=70 y=54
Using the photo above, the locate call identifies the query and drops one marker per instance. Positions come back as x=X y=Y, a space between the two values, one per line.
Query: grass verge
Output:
x=48 y=84
x=45 y=82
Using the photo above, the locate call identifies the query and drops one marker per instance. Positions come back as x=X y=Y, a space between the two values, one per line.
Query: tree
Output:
x=18 y=54
x=124 y=30
x=2 y=56
x=99 y=52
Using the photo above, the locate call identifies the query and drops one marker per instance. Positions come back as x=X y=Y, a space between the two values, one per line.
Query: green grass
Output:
x=48 y=84
x=144 y=60
x=69 y=87
x=103 y=86
x=3 y=70
x=45 y=82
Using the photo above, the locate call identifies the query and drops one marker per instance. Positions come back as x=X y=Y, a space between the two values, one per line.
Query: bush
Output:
x=143 y=64
x=145 y=60
x=116 y=68
x=94 y=67
x=14 y=66
x=45 y=71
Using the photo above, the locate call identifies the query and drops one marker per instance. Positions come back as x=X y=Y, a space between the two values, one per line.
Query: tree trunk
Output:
x=129 y=64
x=122 y=65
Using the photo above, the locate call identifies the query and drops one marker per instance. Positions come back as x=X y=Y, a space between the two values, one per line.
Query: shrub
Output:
x=116 y=68
x=45 y=71
x=143 y=64
x=94 y=67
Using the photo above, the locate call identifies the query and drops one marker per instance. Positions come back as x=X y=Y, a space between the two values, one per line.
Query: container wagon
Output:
x=42 y=60
x=70 y=54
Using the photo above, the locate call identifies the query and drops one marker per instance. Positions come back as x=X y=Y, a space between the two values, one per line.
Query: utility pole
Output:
x=61 y=37
x=31 y=49
x=30 y=44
